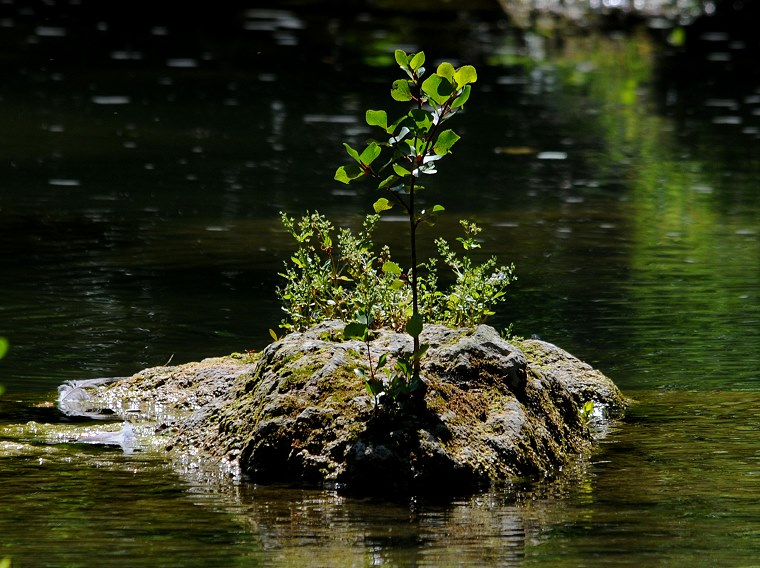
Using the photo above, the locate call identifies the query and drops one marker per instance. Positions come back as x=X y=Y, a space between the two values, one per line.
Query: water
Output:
x=138 y=224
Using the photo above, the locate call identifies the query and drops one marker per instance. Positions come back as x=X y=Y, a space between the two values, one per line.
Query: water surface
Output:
x=139 y=225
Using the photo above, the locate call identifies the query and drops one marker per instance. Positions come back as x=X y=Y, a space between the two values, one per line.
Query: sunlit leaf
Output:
x=4 y=345
x=346 y=174
x=401 y=58
x=381 y=205
x=370 y=153
x=414 y=325
x=465 y=75
x=461 y=97
x=391 y=267
x=445 y=141
x=400 y=170
x=447 y=70
x=438 y=88
x=400 y=91
x=351 y=152
x=273 y=334
x=388 y=182
x=417 y=60
x=377 y=118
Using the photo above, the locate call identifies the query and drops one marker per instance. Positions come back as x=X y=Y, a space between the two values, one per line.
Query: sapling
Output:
x=410 y=147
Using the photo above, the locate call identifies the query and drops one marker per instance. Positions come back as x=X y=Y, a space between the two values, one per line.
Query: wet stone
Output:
x=297 y=413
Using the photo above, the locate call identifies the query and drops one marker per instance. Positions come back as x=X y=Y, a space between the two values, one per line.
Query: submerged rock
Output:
x=298 y=414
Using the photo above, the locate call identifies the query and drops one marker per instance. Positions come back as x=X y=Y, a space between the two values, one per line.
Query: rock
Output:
x=298 y=413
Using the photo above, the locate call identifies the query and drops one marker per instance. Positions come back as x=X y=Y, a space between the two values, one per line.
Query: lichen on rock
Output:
x=298 y=414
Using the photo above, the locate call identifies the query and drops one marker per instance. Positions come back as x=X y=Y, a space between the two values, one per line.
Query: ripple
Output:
x=111 y=100
x=64 y=182
x=50 y=31
x=552 y=156
x=182 y=63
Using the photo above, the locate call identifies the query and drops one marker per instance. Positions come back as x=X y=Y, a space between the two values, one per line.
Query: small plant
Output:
x=336 y=274
x=476 y=289
x=587 y=412
x=399 y=384
x=340 y=275
x=410 y=148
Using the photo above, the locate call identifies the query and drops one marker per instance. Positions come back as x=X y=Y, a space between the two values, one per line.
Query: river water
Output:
x=145 y=157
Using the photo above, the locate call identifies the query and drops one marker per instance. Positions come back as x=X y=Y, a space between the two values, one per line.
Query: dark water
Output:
x=145 y=156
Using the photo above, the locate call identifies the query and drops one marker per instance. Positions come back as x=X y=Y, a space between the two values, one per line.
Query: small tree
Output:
x=410 y=147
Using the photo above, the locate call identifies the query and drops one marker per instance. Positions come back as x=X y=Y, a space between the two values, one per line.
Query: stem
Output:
x=413 y=243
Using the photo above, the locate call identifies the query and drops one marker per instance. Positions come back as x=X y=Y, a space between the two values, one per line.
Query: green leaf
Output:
x=423 y=120
x=417 y=61
x=381 y=205
x=420 y=353
x=388 y=182
x=355 y=330
x=346 y=174
x=438 y=208
x=400 y=91
x=446 y=69
x=400 y=170
x=382 y=360
x=445 y=141
x=360 y=373
x=397 y=284
x=3 y=347
x=351 y=152
x=365 y=318
x=374 y=387
x=465 y=75
x=377 y=118
x=390 y=267
x=461 y=97
x=273 y=334
x=401 y=58
x=370 y=153
x=438 y=88
x=414 y=325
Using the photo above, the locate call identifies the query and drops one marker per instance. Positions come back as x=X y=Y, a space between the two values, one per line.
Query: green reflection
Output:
x=689 y=290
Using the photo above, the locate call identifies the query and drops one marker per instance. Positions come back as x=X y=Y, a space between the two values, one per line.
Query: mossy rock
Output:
x=298 y=414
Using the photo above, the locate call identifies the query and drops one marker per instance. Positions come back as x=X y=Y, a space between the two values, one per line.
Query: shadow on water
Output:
x=151 y=152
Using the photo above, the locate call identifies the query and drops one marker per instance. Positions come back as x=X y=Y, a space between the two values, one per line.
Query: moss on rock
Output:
x=297 y=413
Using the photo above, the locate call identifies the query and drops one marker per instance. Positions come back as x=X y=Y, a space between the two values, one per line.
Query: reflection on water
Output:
x=150 y=155
x=672 y=485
